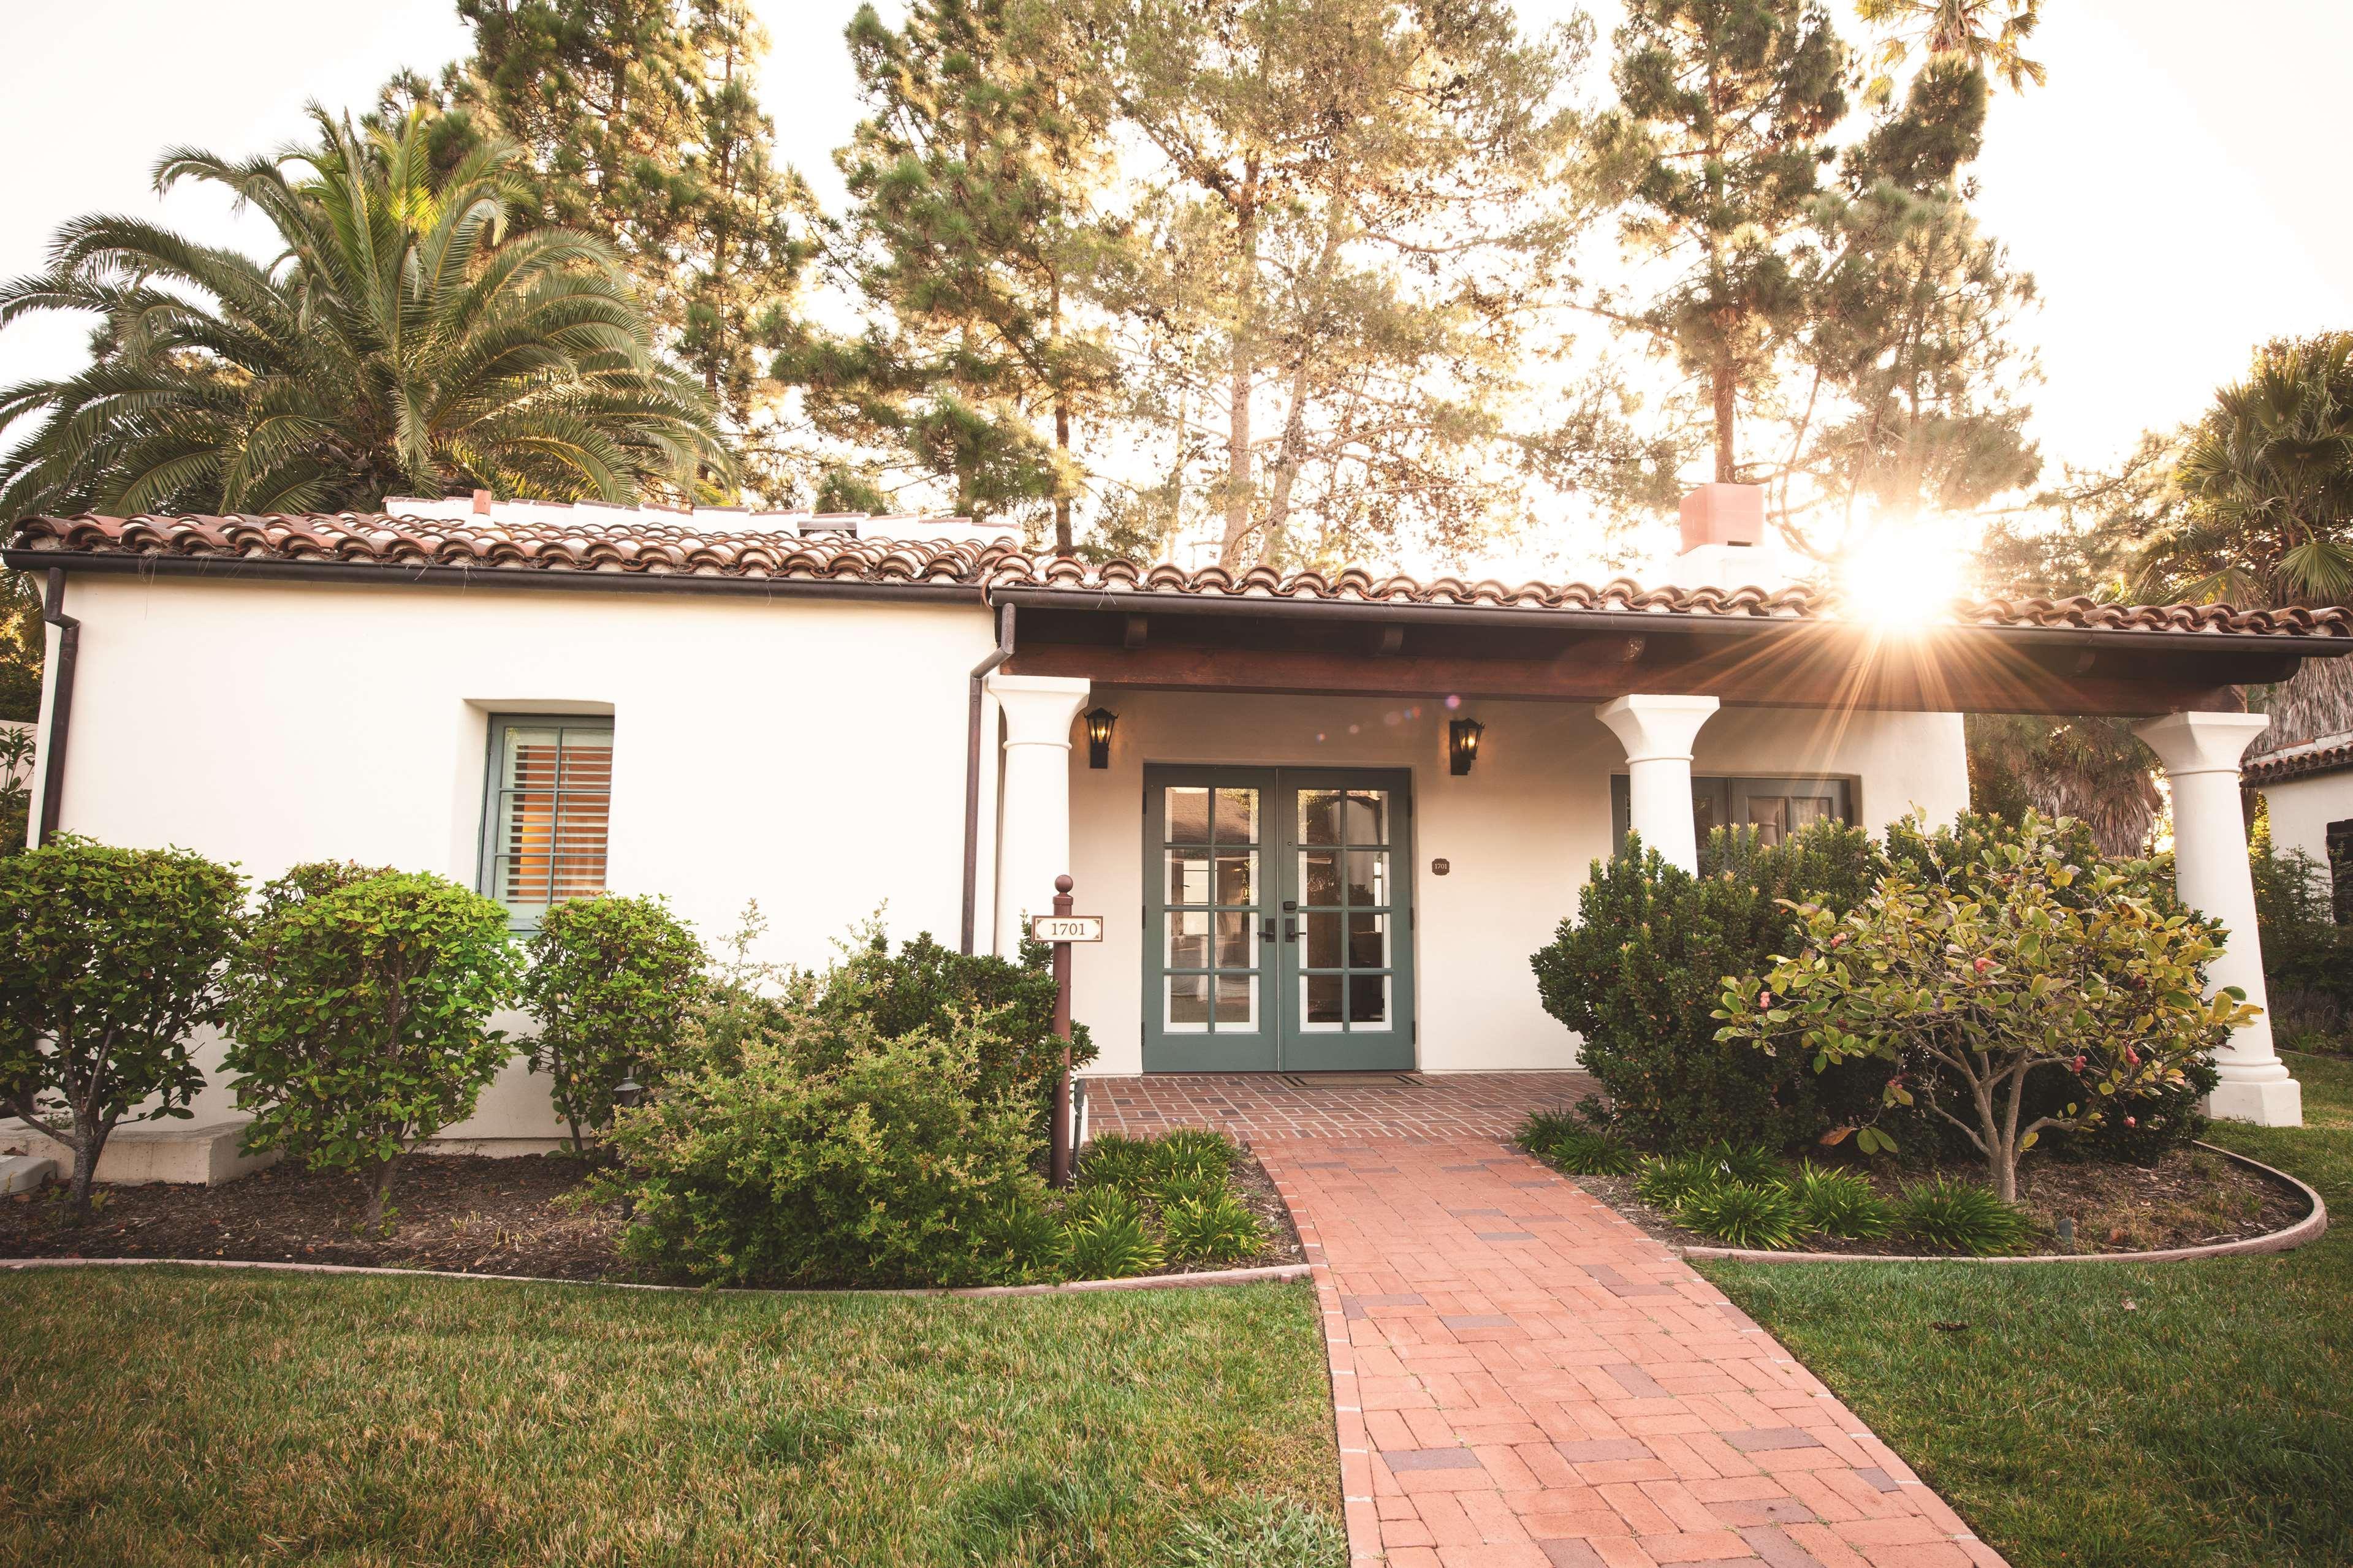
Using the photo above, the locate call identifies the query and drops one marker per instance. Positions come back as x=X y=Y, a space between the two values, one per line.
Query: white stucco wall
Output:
x=1520 y=831
x=2303 y=808
x=805 y=753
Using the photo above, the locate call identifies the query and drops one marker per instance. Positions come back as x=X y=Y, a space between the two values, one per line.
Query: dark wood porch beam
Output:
x=1835 y=669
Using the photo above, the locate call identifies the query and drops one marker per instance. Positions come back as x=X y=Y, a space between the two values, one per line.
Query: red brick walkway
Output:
x=1525 y=1380
x=1258 y=1105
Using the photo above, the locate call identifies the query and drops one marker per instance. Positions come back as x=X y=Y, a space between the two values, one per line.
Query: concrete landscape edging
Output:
x=1267 y=1274
x=2287 y=1239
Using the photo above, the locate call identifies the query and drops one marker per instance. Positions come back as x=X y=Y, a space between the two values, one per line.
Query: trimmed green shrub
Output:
x=924 y=987
x=359 y=1007
x=819 y=1151
x=1742 y=1214
x=1959 y=1216
x=1198 y=1147
x=1841 y=1202
x=1638 y=970
x=1744 y=1163
x=2025 y=959
x=1211 y=1229
x=1021 y=1244
x=609 y=979
x=110 y=959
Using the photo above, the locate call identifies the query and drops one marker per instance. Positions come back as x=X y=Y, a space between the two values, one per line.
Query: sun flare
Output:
x=1899 y=576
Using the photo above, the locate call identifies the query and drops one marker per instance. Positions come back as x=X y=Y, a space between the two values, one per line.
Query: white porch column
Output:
x=1657 y=732
x=2201 y=753
x=1034 y=839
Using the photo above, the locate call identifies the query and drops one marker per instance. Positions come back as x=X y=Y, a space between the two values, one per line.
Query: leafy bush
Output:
x=1021 y=1244
x=609 y=980
x=924 y=986
x=110 y=959
x=1841 y=1202
x=1568 y=1144
x=1211 y=1229
x=1665 y=1182
x=1189 y=1153
x=817 y=1150
x=359 y=1006
x=2307 y=956
x=1108 y=1244
x=1117 y=1160
x=1742 y=1214
x=1636 y=974
x=2022 y=959
x=1959 y=1216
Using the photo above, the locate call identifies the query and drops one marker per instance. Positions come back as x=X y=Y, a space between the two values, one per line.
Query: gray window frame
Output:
x=487 y=854
x=1728 y=792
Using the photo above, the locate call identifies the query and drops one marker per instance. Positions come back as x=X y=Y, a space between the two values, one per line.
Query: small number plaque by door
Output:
x=1067 y=928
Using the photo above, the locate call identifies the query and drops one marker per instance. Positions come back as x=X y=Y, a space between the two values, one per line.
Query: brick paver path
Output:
x=1525 y=1380
x=1255 y=1107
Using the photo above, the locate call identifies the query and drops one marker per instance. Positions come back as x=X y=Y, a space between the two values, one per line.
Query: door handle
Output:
x=1290 y=931
x=1270 y=928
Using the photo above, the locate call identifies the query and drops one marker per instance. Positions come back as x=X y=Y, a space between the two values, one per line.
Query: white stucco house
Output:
x=1327 y=818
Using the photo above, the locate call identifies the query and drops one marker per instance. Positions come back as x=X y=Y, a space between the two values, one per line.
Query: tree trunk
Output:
x=1061 y=498
x=85 y=1171
x=1242 y=373
x=1727 y=467
x=379 y=1191
x=1286 y=468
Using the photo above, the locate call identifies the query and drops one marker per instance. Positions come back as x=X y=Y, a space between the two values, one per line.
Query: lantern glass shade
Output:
x=1462 y=743
x=1099 y=723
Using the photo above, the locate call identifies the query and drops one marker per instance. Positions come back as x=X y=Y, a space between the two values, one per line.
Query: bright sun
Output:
x=1901 y=576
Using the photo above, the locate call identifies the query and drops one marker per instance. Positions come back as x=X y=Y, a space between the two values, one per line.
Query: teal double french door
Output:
x=1278 y=920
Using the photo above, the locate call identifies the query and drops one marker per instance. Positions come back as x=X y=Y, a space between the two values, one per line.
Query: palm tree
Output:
x=2267 y=479
x=404 y=340
x=1988 y=34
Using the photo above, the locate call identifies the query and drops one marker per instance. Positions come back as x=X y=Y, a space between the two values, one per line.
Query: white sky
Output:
x=2177 y=188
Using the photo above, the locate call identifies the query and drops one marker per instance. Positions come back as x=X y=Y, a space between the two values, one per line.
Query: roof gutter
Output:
x=1634 y=621
x=59 y=718
x=979 y=687
x=245 y=569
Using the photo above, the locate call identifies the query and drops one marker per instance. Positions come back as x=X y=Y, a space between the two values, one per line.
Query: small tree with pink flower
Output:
x=2029 y=962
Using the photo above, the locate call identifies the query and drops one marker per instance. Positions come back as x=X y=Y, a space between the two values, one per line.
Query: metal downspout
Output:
x=60 y=714
x=1003 y=651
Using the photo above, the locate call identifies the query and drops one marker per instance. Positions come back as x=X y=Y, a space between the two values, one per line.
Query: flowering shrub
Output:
x=2018 y=962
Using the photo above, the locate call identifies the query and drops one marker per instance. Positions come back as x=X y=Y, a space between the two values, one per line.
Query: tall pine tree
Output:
x=973 y=244
x=1718 y=146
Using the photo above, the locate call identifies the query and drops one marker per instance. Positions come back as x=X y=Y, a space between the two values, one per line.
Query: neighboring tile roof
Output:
x=2330 y=754
x=781 y=551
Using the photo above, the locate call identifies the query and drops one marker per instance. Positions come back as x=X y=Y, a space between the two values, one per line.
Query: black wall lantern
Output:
x=1099 y=723
x=1462 y=743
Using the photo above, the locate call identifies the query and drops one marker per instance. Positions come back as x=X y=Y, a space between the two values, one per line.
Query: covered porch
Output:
x=1327 y=822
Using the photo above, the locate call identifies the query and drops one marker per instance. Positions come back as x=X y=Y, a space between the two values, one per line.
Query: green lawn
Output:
x=181 y=1416
x=2110 y=1415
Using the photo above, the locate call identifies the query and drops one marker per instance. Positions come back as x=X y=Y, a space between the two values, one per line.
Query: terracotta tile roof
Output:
x=779 y=549
x=2331 y=754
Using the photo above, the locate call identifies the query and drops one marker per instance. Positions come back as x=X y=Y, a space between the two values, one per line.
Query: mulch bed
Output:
x=2192 y=1197
x=467 y=1213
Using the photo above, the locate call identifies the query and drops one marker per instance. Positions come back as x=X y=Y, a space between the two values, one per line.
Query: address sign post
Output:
x=1063 y=927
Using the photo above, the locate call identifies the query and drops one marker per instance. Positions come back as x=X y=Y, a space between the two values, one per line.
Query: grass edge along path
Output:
x=2122 y=1415
x=174 y=1415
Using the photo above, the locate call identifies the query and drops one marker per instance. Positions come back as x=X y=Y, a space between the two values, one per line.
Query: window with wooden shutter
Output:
x=549 y=807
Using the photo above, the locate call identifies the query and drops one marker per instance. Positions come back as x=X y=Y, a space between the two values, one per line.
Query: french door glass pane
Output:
x=1237 y=877
x=1236 y=819
x=1368 y=998
x=1770 y=814
x=1237 y=1000
x=1369 y=941
x=1188 y=876
x=1804 y=810
x=1322 y=1006
x=1368 y=881
x=1323 y=941
x=1189 y=1002
x=1319 y=876
x=1188 y=815
x=1319 y=816
x=1235 y=948
x=1188 y=939
x=1366 y=817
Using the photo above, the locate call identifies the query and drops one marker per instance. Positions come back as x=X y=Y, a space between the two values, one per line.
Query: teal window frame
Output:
x=523 y=920
x=1725 y=795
